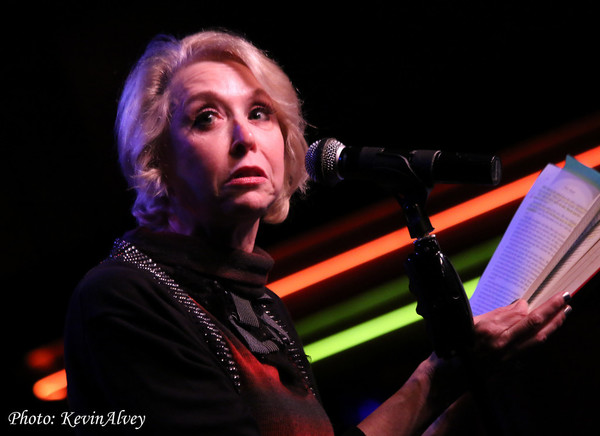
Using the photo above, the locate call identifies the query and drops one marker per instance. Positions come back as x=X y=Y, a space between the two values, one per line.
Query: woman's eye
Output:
x=261 y=113
x=205 y=119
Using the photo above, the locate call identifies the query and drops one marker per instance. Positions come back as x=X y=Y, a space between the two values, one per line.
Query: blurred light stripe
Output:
x=53 y=387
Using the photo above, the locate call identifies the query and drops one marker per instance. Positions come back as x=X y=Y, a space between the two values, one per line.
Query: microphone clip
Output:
x=441 y=298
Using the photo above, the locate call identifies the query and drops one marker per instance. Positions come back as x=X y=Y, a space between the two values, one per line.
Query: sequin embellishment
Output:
x=127 y=252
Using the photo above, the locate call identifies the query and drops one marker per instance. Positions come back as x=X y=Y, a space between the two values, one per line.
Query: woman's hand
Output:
x=503 y=332
x=499 y=336
x=436 y=383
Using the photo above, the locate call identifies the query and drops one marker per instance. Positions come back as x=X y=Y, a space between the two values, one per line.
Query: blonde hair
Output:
x=143 y=117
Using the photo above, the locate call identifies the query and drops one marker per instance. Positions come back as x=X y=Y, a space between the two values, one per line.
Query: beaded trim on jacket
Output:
x=125 y=251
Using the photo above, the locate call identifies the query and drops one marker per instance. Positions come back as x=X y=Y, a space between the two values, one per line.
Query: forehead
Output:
x=221 y=77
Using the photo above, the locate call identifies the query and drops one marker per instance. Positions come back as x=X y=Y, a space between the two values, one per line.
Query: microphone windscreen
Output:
x=322 y=159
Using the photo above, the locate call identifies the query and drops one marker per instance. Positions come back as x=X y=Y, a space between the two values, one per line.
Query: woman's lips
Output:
x=247 y=176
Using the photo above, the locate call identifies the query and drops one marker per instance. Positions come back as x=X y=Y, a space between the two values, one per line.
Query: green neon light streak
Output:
x=353 y=307
x=370 y=330
x=386 y=294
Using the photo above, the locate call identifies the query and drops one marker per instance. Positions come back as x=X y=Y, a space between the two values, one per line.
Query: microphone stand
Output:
x=441 y=298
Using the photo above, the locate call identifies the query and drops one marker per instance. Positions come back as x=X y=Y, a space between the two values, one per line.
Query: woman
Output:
x=176 y=325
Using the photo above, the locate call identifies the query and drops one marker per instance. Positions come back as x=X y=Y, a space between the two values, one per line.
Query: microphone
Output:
x=328 y=161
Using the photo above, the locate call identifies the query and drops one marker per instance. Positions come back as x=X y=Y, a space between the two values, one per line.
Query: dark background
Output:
x=468 y=76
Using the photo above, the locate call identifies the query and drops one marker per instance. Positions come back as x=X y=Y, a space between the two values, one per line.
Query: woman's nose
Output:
x=242 y=139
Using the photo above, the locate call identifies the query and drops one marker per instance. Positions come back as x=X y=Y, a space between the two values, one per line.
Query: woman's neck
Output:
x=241 y=236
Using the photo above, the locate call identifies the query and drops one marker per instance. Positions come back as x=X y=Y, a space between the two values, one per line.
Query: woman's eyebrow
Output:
x=260 y=93
x=210 y=95
x=200 y=96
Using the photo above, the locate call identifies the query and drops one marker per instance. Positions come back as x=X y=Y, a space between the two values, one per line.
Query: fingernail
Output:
x=567 y=310
x=567 y=297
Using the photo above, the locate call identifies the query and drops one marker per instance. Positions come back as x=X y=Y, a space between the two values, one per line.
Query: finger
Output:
x=556 y=302
x=505 y=315
x=547 y=330
x=546 y=318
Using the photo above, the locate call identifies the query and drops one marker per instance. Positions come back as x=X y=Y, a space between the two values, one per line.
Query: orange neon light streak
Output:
x=400 y=238
x=52 y=387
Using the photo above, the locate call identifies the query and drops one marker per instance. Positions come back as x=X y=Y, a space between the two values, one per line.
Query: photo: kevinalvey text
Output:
x=120 y=418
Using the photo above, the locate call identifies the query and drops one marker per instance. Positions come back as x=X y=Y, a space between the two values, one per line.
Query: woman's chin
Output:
x=248 y=207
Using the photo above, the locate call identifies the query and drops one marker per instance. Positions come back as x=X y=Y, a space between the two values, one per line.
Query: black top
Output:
x=129 y=346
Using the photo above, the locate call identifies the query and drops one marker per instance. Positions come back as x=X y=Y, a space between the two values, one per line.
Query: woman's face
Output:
x=227 y=155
